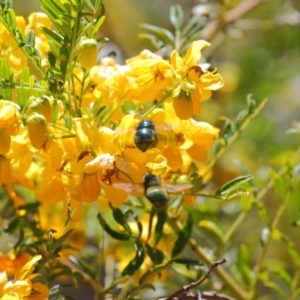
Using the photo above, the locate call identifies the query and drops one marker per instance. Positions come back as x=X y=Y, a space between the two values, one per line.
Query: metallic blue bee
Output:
x=145 y=136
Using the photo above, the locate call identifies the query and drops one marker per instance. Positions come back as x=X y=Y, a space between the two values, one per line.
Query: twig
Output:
x=198 y=282
x=229 y=17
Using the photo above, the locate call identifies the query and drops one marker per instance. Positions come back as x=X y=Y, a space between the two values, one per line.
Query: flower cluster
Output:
x=84 y=160
x=22 y=287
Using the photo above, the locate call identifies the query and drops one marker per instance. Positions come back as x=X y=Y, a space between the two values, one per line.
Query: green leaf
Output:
x=30 y=207
x=186 y=261
x=150 y=273
x=136 y=263
x=183 y=236
x=191 y=25
x=228 y=130
x=114 y=234
x=51 y=59
x=176 y=16
x=97 y=24
x=156 y=42
x=120 y=218
x=88 y=269
x=30 y=38
x=53 y=247
x=5 y=73
x=292 y=250
x=23 y=93
x=155 y=255
x=129 y=213
x=55 y=7
x=251 y=104
x=226 y=188
x=241 y=118
x=164 y=34
x=11 y=19
x=12 y=226
x=158 y=231
x=90 y=5
x=213 y=227
x=19 y=36
x=237 y=192
x=58 y=39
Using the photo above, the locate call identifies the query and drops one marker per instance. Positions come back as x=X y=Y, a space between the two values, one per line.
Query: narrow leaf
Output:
x=30 y=38
x=155 y=255
x=58 y=39
x=213 y=227
x=226 y=188
x=163 y=33
x=88 y=269
x=57 y=243
x=176 y=16
x=183 y=236
x=97 y=24
x=114 y=234
x=120 y=218
x=136 y=263
x=150 y=273
x=158 y=231
x=187 y=261
x=11 y=18
x=23 y=93
x=237 y=192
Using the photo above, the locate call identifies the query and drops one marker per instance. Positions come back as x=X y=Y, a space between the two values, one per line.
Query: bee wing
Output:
x=176 y=188
x=129 y=187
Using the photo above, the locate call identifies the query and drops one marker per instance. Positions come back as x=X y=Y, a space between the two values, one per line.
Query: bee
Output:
x=145 y=136
x=154 y=190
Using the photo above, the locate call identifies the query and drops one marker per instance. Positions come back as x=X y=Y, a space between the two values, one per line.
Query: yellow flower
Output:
x=192 y=81
x=21 y=287
x=9 y=49
x=11 y=262
x=88 y=52
x=9 y=116
x=152 y=77
x=37 y=130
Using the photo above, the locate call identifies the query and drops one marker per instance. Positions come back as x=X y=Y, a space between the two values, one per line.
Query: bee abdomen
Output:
x=157 y=196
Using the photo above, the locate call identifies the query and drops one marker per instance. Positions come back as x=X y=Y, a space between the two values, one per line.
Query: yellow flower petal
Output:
x=27 y=269
x=38 y=292
x=193 y=54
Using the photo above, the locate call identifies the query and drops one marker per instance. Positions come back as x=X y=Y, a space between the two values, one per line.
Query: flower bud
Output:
x=5 y=141
x=42 y=106
x=183 y=105
x=37 y=129
x=88 y=52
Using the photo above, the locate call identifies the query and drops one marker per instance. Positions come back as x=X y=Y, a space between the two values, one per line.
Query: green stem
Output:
x=234 y=137
x=165 y=97
x=69 y=72
x=273 y=226
x=294 y=285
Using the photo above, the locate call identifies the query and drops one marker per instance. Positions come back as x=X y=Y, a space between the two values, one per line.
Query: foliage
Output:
x=85 y=199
